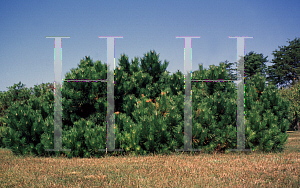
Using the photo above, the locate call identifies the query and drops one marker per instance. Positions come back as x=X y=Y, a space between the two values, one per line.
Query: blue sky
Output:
x=27 y=56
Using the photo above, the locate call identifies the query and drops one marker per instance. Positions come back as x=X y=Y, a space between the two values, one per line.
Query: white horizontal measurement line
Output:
x=191 y=80
x=86 y=80
x=214 y=80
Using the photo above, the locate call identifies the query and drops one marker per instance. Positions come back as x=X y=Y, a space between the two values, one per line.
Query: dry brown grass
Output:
x=178 y=170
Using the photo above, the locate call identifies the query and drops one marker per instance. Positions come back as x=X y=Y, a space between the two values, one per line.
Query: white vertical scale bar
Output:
x=57 y=96
x=110 y=118
x=187 y=99
x=240 y=94
x=110 y=142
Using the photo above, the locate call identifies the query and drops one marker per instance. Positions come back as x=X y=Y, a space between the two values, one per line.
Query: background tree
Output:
x=231 y=72
x=293 y=96
x=253 y=62
x=286 y=66
x=285 y=72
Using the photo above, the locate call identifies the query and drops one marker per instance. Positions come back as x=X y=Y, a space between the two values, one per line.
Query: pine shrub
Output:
x=149 y=112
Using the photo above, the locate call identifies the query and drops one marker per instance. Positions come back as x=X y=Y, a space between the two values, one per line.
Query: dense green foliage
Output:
x=149 y=106
x=27 y=121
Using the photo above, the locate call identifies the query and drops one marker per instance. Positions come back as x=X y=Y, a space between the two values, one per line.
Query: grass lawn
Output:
x=177 y=170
